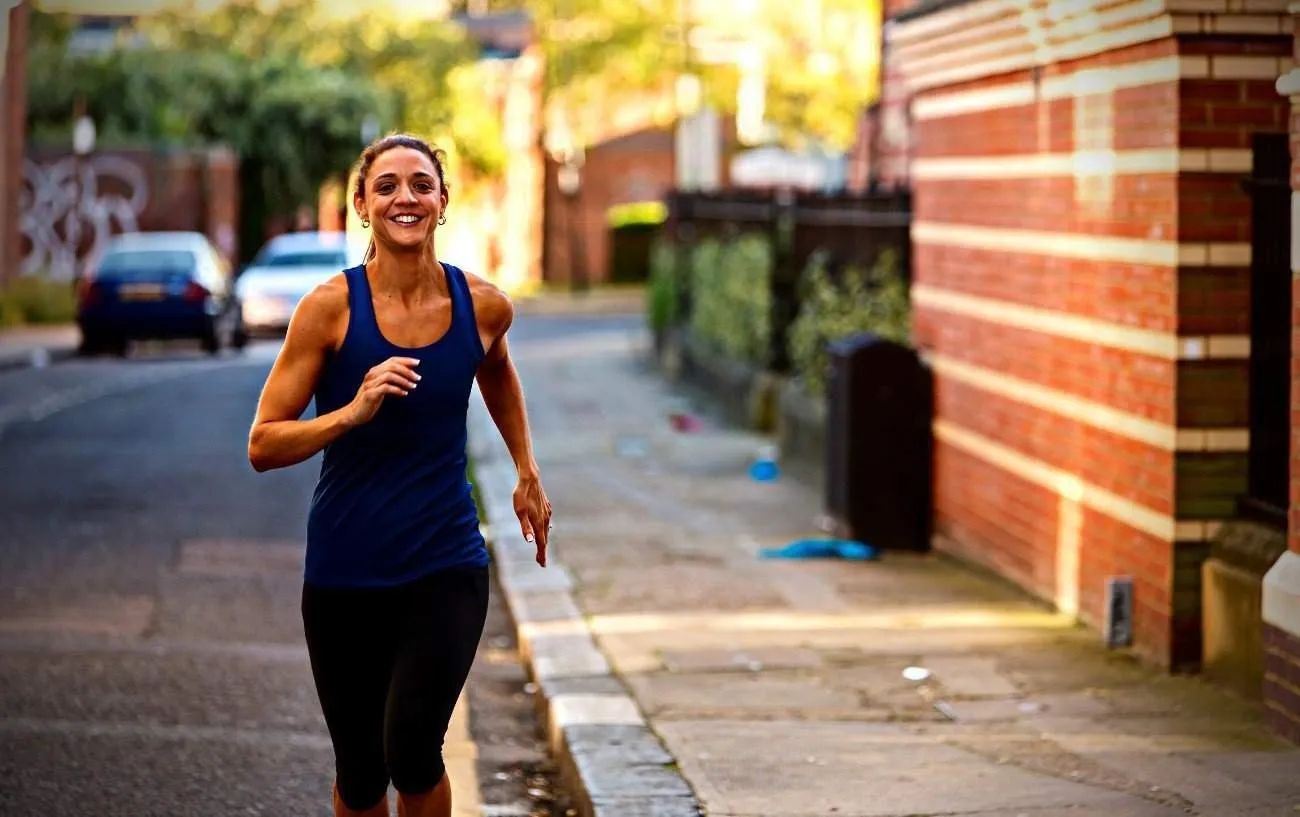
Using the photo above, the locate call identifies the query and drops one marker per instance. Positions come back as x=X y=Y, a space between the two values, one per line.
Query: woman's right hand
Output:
x=394 y=376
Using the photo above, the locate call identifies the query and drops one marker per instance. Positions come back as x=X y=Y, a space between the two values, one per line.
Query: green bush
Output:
x=866 y=300
x=731 y=296
x=662 y=291
x=37 y=299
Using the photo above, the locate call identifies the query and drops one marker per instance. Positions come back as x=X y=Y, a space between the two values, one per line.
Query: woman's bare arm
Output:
x=503 y=394
x=279 y=438
x=498 y=381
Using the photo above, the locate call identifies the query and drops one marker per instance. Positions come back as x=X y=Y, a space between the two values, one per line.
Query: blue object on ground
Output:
x=823 y=549
x=766 y=466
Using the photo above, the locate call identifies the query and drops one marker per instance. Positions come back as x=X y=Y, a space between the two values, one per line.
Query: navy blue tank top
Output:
x=393 y=503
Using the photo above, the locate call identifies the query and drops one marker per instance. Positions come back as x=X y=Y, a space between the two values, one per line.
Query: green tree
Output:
x=293 y=125
x=426 y=69
x=821 y=72
x=599 y=54
x=820 y=59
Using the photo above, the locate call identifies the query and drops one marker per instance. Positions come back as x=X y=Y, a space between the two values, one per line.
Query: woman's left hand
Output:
x=534 y=512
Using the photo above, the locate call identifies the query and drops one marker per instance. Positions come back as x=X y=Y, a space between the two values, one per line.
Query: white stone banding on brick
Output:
x=1083 y=246
x=1135 y=515
x=1164 y=345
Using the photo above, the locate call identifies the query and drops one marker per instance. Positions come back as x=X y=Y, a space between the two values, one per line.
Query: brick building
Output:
x=1281 y=595
x=13 y=132
x=497 y=230
x=629 y=168
x=1097 y=263
x=882 y=155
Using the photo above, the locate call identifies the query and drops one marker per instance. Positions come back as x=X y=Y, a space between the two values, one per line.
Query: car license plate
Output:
x=140 y=292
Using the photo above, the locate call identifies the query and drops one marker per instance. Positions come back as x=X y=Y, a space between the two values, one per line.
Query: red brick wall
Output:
x=134 y=190
x=638 y=167
x=893 y=137
x=1282 y=648
x=1058 y=308
x=892 y=8
x=1024 y=527
x=883 y=148
x=13 y=130
x=1282 y=682
x=221 y=194
x=862 y=155
x=1294 y=127
x=1222 y=111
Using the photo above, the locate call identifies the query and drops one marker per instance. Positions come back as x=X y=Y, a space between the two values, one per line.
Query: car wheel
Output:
x=239 y=336
x=90 y=345
x=212 y=343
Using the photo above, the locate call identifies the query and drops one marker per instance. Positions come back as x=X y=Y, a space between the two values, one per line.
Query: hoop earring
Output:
x=442 y=219
x=365 y=223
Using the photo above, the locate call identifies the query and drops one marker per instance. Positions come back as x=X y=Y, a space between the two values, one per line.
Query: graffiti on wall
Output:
x=70 y=206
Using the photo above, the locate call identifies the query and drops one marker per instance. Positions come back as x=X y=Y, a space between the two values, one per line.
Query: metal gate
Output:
x=1270 y=328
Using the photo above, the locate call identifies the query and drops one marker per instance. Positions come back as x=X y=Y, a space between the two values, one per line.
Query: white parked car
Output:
x=285 y=270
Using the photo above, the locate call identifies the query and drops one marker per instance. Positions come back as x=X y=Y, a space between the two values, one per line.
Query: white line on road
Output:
x=158 y=731
x=80 y=395
x=46 y=642
x=166 y=370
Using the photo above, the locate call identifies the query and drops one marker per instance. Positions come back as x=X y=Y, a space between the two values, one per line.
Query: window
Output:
x=312 y=258
x=147 y=265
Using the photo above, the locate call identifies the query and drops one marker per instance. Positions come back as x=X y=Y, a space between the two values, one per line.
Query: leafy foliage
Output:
x=603 y=53
x=36 y=299
x=297 y=124
x=872 y=299
x=284 y=85
x=820 y=68
x=731 y=296
x=819 y=80
x=426 y=71
x=664 y=290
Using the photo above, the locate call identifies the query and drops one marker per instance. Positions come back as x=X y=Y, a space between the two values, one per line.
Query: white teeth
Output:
x=406 y=219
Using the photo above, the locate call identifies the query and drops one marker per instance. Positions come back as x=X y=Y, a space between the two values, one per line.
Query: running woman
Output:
x=395 y=590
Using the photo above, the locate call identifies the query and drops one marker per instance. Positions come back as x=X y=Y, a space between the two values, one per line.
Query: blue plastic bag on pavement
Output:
x=823 y=549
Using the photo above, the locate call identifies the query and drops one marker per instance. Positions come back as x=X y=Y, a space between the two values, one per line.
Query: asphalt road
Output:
x=151 y=658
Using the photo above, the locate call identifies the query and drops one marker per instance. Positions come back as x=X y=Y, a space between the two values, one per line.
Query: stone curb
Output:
x=25 y=358
x=610 y=761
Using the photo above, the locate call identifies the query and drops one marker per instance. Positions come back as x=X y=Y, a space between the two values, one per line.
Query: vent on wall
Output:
x=1119 y=612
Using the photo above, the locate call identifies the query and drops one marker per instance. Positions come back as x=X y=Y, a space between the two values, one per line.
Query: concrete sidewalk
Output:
x=37 y=345
x=599 y=300
x=678 y=672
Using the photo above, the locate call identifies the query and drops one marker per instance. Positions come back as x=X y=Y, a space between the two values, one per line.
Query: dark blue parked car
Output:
x=159 y=286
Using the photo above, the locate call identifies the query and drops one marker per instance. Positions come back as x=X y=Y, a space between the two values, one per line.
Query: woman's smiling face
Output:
x=404 y=198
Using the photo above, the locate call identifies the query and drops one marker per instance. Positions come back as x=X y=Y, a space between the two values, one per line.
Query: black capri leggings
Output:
x=389 y=664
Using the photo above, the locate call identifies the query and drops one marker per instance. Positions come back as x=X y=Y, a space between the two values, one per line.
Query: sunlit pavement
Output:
x=150 y=640
x=151 y=658
x=784 y=688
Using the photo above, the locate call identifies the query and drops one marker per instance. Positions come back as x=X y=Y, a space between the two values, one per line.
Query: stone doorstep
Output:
x=1281 y=594
x=611 y=762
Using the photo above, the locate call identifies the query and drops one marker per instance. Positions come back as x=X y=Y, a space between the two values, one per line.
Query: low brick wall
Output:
x=1281 y=592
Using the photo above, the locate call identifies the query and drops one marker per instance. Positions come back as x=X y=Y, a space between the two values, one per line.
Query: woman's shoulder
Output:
x=329 y=297
x=492 y=305
x=323 y=311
